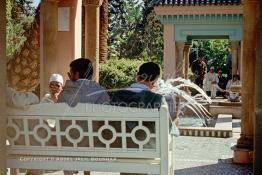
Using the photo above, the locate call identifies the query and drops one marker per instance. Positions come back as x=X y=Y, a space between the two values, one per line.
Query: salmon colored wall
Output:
x=169 y=51
x=67 y=40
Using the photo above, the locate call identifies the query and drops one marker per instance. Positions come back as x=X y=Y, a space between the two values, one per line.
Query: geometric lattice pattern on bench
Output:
x=138 y=139
x=80 y=132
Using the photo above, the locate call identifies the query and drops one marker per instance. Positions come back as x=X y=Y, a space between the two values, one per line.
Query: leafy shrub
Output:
x=216 y=53
x=118 y=73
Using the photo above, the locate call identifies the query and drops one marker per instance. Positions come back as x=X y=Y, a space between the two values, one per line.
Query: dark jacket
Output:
x=199 y=69
x=143 y=99
x=222 y=82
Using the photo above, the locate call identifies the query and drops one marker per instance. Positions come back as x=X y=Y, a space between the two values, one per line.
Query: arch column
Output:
x=48 y=42
x=180 y=58
x=258 y=107
x=234 y=52
x=92 y=16
x=240 y=55
x=169 y=51
x=186 y=58
x=244 y=148
x=2 y=86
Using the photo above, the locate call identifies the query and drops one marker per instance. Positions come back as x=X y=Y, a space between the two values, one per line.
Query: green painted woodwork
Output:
x=233 y=32
x=202 y=18
x=195 y=2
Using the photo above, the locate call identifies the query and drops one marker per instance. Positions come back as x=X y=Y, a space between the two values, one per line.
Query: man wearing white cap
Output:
x=55 y=87
x=210 y=83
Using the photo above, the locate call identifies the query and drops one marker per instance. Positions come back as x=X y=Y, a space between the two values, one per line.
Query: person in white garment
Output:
x=18 y=99
x=233 y=96
x=55 y=87
x=210 y=83
x=234 y=81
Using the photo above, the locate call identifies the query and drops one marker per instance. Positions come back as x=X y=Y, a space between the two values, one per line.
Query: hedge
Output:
x=118 y=73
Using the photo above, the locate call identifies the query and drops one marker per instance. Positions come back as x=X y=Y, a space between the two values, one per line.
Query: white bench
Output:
x=80 y=143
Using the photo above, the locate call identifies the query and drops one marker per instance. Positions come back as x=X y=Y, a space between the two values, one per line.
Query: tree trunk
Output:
x=23 y=70
x=103 y=32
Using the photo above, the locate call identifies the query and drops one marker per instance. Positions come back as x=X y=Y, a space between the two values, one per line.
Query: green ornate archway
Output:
x=194 y=19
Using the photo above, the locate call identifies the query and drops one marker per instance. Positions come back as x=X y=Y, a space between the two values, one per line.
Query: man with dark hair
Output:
x=199 y=70
x=81 y=68
x=80 y=88
x=139 y=94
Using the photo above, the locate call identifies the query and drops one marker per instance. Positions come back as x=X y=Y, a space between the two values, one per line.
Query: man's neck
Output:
x=144 y=83
x=140 y=85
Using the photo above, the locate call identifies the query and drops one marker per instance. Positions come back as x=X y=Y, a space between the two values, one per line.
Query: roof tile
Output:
x=195 y=2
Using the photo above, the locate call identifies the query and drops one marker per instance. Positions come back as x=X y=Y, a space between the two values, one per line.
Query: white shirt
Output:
x=209 y=78
x=138 y=87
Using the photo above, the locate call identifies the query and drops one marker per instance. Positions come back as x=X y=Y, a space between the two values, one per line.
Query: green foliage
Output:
x=215 y=52
x=124 y=36
x=19 y=18
x=134 y=31
x=118 y=73
x=152 y=34
x=23 y=6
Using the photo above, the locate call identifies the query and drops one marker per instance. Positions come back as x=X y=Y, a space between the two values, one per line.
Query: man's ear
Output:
x=137 y=77
x=77 y=76
x=74 y=76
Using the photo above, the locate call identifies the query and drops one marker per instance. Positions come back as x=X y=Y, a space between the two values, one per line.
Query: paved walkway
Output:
x=202 y=156
x=208 y=156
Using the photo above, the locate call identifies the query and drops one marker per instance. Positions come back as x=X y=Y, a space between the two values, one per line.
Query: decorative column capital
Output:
x=180 y=45
x=234 y=45
x=188 y=43
x=96 y=3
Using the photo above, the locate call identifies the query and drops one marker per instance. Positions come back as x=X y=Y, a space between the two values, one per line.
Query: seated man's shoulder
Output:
x=153 y=98
x=96 y=92
x=151 y=94
x=143 y=99
x=122 y=96
x=94 y=85
x=84 y=91
x=83 y=85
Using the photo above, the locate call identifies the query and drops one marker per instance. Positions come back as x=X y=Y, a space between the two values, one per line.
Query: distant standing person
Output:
x=210 y=83
x=199 y=70
x=222 y=83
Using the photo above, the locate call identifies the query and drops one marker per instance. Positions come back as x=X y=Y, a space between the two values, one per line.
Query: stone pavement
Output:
x=202 y=156
x=206 y=156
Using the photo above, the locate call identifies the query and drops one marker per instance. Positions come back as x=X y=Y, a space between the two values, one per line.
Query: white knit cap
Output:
x=57 y=78
x=212 y=67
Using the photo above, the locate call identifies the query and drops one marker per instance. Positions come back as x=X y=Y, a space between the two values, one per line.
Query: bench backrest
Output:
x=87 y=130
